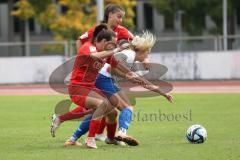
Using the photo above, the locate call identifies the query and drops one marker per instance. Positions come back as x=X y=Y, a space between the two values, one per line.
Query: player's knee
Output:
x=99 y=103
x=114 y=113
x=106 y=105
x=112 y=116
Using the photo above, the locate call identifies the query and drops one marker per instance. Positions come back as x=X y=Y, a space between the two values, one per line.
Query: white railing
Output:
x=163 y=44
x=208 y=43
x=34 y=47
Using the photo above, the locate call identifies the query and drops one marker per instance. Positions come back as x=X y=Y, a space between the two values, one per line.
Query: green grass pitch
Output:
x=25 y=121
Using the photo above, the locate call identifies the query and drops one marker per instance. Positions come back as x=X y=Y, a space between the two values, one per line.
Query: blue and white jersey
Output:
x=108 y=83
x=126 y=56
x=106 y=70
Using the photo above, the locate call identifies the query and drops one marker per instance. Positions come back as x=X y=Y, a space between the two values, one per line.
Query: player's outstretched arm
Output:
x=148 y=85
x=118 y=73
x=133 y=77
x=106 y=53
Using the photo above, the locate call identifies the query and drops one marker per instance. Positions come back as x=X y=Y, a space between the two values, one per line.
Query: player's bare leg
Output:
x=121 y=101
x=102 y=107
x=111 y=123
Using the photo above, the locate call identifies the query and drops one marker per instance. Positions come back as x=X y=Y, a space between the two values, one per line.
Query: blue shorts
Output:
x=106 y=85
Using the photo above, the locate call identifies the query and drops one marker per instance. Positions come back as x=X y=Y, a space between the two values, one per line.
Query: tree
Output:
x=25 y=12
x=67 y=19
x=195 y=12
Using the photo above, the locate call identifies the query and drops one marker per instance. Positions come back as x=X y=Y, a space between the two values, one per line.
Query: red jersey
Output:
x=85 y=69
x=120 y=31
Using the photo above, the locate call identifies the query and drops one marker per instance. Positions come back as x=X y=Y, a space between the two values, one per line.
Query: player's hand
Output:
x=169 y=98
x=121 y=48
x=124 y=46
x=146 y=64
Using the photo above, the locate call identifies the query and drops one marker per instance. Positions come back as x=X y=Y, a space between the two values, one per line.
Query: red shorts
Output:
x=79 y=94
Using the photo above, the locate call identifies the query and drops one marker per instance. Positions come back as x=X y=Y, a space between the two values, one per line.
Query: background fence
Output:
x=187 y=58
x=163 y=45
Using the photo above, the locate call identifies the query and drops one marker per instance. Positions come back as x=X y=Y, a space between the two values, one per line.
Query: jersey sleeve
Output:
x=84 y=50
x=86 y=36
x=112 y=61
x=127 y=57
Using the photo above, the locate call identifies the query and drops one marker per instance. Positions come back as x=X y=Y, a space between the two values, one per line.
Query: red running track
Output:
x=178 y=87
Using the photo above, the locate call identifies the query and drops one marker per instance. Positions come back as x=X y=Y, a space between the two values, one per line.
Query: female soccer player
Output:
x=83 y=92
x=113 y=16
x=141 y=46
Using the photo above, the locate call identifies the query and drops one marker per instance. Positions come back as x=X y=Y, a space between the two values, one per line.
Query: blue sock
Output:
x=82 y=129
x=125 y=118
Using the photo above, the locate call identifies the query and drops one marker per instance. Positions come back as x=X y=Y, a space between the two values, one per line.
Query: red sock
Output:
x=93 y=127
x=101 y=126
x=74 y=114
x=111 y=129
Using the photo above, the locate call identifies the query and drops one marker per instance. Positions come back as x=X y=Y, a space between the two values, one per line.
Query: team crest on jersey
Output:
x=97 y=65
x=92 y=49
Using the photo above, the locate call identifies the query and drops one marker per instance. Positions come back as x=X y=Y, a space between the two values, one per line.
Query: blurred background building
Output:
x=169 y=28
x=45 y=28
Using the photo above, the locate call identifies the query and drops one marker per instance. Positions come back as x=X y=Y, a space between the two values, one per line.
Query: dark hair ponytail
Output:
x=101 y=32
x=111 y=8
x=98 y=29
